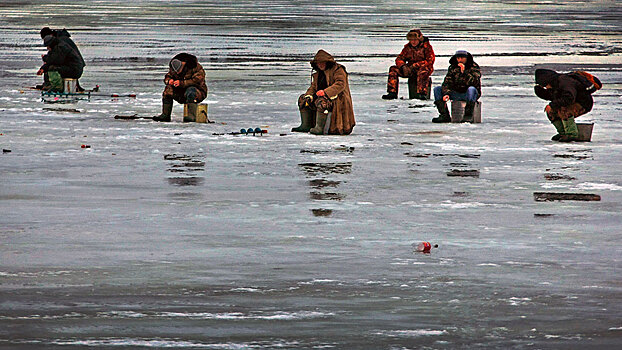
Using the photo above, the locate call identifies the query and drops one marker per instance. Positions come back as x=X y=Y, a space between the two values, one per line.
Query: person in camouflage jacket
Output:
x=415 y=60
x=185 y=83
x=462 y=83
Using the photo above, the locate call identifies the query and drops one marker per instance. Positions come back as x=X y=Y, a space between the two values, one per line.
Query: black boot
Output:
x=306 y=121
x=468 y=112
x=443 y=112
x=390 y=96
x=167 y=109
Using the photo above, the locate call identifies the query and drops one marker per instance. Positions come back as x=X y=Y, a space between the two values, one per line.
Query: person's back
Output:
x=64 y=36
x=63 y=58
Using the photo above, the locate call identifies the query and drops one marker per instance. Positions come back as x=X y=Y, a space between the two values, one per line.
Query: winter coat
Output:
x=417 y=56
x=193 y=74
x=565 y=89
x=338 y=90
x=459 y=81
x=64 y=36
x=64 y=59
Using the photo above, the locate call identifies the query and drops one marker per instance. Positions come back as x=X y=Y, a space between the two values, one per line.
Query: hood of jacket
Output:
x=191 y=60
x=50 y=41
x=322 y=56
x=545 y=77
x=469 y=63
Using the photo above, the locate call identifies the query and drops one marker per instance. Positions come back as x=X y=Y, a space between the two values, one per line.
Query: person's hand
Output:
x=40 y=71
x=320 y=93
x=461 y=65
x=170 y=82
x=547 y=109
x=446 y=98
x=176 y=83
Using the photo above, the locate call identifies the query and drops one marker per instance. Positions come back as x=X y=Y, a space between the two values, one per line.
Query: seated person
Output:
x=327 y=104
x=462 y=83
x=61 y=62
x=415 y=60
x=185 y=83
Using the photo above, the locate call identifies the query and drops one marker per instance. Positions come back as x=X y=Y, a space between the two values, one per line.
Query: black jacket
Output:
x=63 y=58
x=566 y=89
x=64 y=36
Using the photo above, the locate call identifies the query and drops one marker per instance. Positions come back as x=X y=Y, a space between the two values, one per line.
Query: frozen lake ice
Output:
x=165 y=235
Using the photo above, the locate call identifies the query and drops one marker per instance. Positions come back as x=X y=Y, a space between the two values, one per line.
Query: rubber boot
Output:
x=468 y=112
x=306 y=120
x=320 y=123
x=390 y=96
x=442 y=111
x=167 y=109
x=192 y=113
x=56 y=81
x=571 y=132
x=559 y=126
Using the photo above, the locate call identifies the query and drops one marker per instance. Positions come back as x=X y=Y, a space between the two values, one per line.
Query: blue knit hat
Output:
x=462 y=53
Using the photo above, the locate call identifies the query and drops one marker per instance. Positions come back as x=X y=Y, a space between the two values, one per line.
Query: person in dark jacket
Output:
x=416 y=60
x=63 y=36
x=61 y=61
x=185 y=83
x=569 y=99
x=462 y=83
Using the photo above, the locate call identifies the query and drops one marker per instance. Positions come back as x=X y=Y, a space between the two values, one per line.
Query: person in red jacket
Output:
x=415 y=60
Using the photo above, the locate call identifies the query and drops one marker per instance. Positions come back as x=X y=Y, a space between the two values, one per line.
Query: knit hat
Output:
x=414 y=34
x=462 y=53
x=176 y=65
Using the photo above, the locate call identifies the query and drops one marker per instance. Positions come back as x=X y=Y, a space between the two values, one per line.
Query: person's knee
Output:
x=472 y=94
x=191 y=95
x=323 y=104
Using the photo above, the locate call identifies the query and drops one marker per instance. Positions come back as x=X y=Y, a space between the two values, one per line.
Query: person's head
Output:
x=547 y=78
x=45 y=31
x=177 y=66
x=322 y=61
x=462 y=56
x=50 y=41
x=414 y=37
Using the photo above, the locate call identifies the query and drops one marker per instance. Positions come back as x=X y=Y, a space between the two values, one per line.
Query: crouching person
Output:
x=327 y=104
x=61 y=62
x=462 y=83
x=185 y=83
x=570 y=97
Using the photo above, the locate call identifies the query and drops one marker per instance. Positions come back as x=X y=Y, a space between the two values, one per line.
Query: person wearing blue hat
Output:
x=462 y=83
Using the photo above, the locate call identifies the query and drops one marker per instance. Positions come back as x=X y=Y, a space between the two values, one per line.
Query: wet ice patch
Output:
x=598 y=186
x=411 y=333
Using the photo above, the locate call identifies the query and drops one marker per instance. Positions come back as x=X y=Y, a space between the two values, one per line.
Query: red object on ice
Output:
x=85 y=146
x=424 y=247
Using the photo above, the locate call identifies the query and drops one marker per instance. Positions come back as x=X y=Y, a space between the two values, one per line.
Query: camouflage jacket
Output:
x=459 y=81
x=418 y=56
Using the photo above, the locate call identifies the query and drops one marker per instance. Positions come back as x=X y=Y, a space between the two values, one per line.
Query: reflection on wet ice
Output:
x=185 y=165
x=322 y=170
